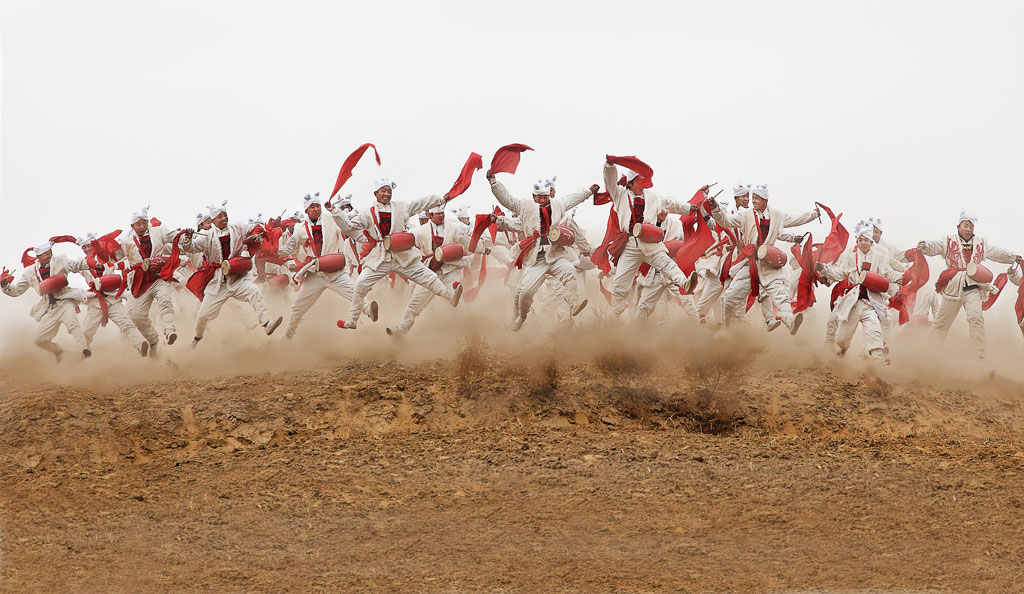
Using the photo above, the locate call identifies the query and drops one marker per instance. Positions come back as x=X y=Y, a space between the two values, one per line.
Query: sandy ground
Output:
x=605 y=459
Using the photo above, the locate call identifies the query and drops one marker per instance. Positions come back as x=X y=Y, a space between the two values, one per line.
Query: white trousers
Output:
x=421 y=297
x=862 y=314
x=534 y=276
x=313 y=285
x=61 y=312
x=217 y=295
x=417 y=273
x=776 y=291
x=970 y=301
x=655 y=296
x=163 y=293
x=117 y=313
x=628 y=266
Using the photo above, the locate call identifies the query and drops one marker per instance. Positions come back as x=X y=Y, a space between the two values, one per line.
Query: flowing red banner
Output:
x=473 y=163
x=350 y=164
x=506 y=159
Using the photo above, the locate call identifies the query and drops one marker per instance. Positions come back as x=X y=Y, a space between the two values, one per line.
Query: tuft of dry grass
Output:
x=471 y=365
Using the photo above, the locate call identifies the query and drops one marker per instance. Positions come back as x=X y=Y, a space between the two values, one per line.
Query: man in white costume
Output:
x=379 y=222
x=436 y=233
x=114 y=308
x=538 y=258
x=957 y=290
x=861 y=306
x=147 y=244
x=54 y=309
x=636 y=204
x=760 y=225
x=314 y=236
x=222 y=241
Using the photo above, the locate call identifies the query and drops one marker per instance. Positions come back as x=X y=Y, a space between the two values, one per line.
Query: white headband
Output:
x=740 y=190
x=256 y=220
x=202 y=217
x=876 y=223
x=380 y=183
x=308 y=200
x=436 y=210
x=761 y=190
x=84 y=241
x=630 y=174
x=541 y=187
x=216 y=210
x=140 y=215
x=43 y=247
x=966 y=216
x=864 y=229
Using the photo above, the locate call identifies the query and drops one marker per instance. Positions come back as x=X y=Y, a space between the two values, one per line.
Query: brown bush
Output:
x=471 y=364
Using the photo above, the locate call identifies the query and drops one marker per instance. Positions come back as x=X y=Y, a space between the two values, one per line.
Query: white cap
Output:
x=140 y=215
x=864 y=229
x=217 y=209
x=541 y=187
x=740 y=190
x=86 y=240
x=380 y=183
x=308 y=200
x=202 y=216
x=43 y=247
x=629 y=174
x=343 y=202
x=256 y=220
x=876 y=223
x=966 y=216
x=436 y=210
x=761 y=190
x=462 y=212
x=423 y=215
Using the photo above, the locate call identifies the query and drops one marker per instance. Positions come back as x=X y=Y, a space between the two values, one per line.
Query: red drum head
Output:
x=873 y=281
x=979 y=274
x=52 y=284
x=648 y=232
x=236 y=266
x=398 y=242
x=331 y=262
x=278 y=281
x=449 y=253
x=772 y=256
x=562 y=235
x=108 y=283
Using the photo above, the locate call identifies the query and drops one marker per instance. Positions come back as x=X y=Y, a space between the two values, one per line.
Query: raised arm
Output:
x=611 y=181
x=576 y=198
x=19 y=286
x=795 y=220
x=998 y=254
x=504 y=198
x=422 y=204
x=727 y=220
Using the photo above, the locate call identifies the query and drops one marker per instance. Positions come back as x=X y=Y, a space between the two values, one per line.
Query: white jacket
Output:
x=529 y=219
x=951 y=250
x=452 y=232
x=849 y=266
x=30 y=278
x=622 y=200
x=400 y=215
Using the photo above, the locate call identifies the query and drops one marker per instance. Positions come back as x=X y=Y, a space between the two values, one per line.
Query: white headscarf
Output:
x=140 y=215
x=966 y=216
x=629 y=173
x=551 y=182
x=308 y=200
x=541 y=187
x=215 y=210
x=343 y=202
x=436 y=210
x=865 y=229
x=202 y=216
x=461 y=213
x=423 y=216
x=380 y=183
x=740 y=190
x=761 y=190
x=877 y=223
x=256 y=220
x=42 y=248
x=86 y=240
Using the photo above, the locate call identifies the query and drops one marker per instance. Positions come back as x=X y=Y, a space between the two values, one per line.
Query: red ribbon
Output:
x=506 y=159
x=694 y=246
x=612 y=245
x=167 y=272
x=808 y=276
x=482 y=222
x=472 y=293
x=836 y=240
x=196 y=283
x=473 y=163
x=525 y=246
x=350 y=164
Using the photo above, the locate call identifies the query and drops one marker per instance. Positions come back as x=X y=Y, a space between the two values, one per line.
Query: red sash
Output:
x=196 y=283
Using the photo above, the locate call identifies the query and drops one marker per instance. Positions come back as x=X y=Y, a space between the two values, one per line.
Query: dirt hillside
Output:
x=713 y=469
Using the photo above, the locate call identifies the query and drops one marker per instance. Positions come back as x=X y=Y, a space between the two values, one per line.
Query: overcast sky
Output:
x=904 y=110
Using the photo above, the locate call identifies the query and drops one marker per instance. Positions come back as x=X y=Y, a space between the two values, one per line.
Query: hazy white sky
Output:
x=903 y=110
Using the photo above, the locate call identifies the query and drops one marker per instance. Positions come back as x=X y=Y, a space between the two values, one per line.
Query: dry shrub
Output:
x=877 y=388
x=471 y=364
x=715 y=373
x=543 y=379
x=635 y=395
